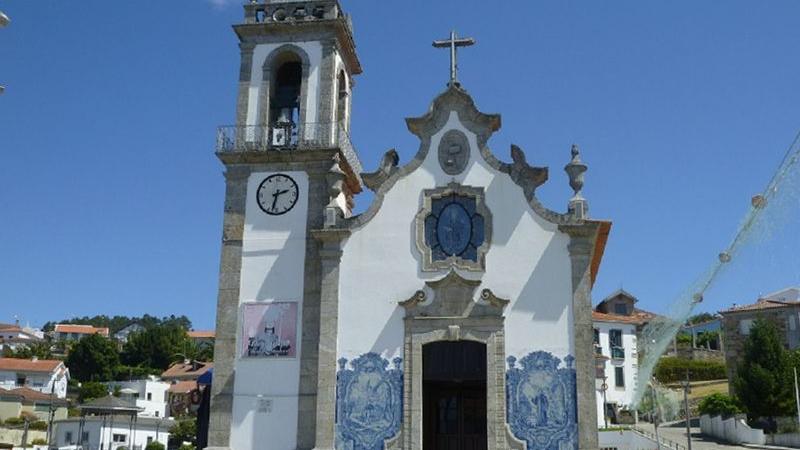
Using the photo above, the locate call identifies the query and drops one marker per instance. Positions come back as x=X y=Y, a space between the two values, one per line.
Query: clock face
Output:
x=277 y=194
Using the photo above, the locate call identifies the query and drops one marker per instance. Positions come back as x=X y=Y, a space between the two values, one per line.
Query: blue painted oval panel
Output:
x=454 y=229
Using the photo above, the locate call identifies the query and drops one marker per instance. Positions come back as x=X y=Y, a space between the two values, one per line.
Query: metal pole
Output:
x=796 y=394
x=655 y=412
x=686 y=388
x=605 y=410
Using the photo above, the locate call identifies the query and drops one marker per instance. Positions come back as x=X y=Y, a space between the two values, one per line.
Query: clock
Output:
x=277 y=194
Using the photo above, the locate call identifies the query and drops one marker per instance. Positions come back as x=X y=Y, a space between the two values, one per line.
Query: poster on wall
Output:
x=269 y=330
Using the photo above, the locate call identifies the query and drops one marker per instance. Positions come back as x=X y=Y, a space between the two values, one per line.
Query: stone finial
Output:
x=333 y=212
x=578 y=206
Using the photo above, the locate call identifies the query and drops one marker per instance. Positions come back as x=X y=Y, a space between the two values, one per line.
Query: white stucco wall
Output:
x=622 y=396
x=527 y=263
x=38 y=381
x=273 y=256
x=96 y=431
x=314 y=51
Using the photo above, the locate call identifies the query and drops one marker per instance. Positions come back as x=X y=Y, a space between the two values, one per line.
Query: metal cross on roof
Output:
x=452 y=43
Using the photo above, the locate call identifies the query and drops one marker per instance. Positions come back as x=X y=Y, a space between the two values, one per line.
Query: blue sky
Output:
x=111 y=196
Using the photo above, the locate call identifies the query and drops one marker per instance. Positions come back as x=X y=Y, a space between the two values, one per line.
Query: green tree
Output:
x=154 y=445
x=719 y=404
x=156 y=347
x=93 y=358
x=184 y=430
x=700 y=318
x=763 y=382
x=91 y=390
x=41 y=350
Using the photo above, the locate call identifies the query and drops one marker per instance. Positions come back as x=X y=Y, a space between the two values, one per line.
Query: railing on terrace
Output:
x=617 y=353
x=282 y=136
x=662 y=441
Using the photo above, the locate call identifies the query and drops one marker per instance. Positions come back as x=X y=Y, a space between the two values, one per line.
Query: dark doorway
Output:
x=454 y=396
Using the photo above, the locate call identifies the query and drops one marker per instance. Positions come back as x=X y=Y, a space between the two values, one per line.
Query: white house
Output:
x=122 y=335
x=13 y=336
x=70 y=332
x=148 y=394
x=616 y=323
x=109 y=432
x=43 y=375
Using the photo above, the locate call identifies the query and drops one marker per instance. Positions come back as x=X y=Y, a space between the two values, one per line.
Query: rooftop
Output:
x=29 y=395
x=639 y=317
x=186 y=370
x=761 y=304
x=80 y=329
x=30 y=365
x=201 y=334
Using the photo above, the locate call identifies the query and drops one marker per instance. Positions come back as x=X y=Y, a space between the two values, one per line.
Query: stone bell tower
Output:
x=290 y=172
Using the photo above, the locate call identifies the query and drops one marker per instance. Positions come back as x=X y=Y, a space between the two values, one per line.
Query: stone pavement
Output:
x=677 y=434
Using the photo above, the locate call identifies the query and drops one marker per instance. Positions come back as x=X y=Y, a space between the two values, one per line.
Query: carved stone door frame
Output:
x=446 y=311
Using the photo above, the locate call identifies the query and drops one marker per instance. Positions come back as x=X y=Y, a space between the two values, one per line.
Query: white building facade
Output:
x=45 y=376
x=149 y=394
x=107 y=433
x=616 y=347
x=456 y=307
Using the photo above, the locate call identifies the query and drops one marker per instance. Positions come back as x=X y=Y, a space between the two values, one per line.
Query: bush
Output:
x=15 y=421
x=39 y=441
x=672 y=369
x=91 y=390
x=719 y=404
x=39 y=425
x=154 y=445
x=186 y=446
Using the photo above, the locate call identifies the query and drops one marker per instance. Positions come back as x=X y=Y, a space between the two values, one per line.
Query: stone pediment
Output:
x=453 y=296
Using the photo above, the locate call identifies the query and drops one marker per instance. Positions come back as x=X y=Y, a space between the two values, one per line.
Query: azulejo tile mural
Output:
x=369 y=402
x=541 y=401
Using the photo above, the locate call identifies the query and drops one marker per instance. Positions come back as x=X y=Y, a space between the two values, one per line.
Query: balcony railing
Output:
x=598 y=350
x=617 y=353
x=281 y=136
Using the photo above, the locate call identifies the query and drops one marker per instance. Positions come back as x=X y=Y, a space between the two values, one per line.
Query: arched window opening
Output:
x=341 y=102
x=285 y=102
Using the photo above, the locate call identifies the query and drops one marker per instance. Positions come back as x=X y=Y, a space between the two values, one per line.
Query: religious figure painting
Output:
x=541 y=401
x=369 y=400
x=269 y=329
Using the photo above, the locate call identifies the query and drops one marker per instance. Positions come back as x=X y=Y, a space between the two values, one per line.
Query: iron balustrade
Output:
x=282 y=136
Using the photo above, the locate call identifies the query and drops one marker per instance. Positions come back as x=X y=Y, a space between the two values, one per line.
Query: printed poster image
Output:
x=269 y=329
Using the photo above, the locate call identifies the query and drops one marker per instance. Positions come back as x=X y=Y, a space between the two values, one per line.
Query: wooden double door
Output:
x=454 y=396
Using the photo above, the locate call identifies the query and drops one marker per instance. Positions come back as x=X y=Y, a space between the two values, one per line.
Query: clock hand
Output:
x=275 y=196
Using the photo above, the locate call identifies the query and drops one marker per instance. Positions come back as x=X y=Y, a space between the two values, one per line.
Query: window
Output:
x=21 y=380
x=454 y=228
x=621 y=308
x=84 y=437
x=596 y=336
x=156 y=413
x=744 y=326
x=149 y=396
x=68 y=437
x=615 y=338
x=792 y=323
x=120 y=437
x=619 y=377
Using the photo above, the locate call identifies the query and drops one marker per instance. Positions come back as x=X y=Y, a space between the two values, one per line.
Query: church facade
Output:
x=454 y=313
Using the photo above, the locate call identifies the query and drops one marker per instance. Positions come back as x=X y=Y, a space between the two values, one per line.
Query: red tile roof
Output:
x=639 y=317
x=761 y=304
x=80 y=329
x=29 y=365
x=30 y=395
x=184 y=371
x=183 y=387
x=201 y=334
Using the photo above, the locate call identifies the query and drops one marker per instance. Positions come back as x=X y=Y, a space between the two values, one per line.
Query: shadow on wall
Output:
x=534 y=298
x=390 y=340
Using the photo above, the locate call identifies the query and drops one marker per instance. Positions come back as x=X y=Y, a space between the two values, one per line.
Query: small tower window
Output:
x=285 y=101
x=341 y=101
